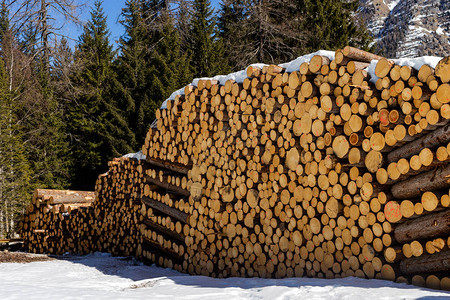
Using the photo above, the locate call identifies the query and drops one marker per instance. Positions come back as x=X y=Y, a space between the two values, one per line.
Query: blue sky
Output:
x=112 y=10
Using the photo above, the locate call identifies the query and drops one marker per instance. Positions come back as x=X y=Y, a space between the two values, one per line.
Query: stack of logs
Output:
x=54 y=222
x=117 y=206
x=321 y=172
x=291 y=173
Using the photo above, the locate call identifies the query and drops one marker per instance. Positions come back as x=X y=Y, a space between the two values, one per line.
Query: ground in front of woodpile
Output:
x=22 y=257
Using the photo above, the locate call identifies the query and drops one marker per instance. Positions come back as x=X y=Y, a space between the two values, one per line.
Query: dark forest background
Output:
x=66 y=111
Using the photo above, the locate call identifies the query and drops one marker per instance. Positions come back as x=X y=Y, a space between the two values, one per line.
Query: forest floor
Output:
x=21 y=257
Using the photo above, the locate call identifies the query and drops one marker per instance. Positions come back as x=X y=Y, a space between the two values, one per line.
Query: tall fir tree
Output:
x=98 y=127
x=38 y=113
x=152 y=64
x=133 y=67
x=275 y=31
x=260 y=31
x=170 y=69
x=206 y=46
x=332 y=25
x=15 y=173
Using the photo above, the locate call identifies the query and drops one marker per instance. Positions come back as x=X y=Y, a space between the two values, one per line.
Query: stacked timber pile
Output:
x=335 y=167
x=52 y=221
x=164 y=214
x=117 y=206
x=291 y=173
x=73 y=221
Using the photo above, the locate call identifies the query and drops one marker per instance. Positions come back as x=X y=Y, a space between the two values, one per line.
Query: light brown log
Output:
x=341 y=146
x=360 y=55
x=383 y=67
x=373 y=161
x=443 y=69
x=443 y=93
x=317 y=62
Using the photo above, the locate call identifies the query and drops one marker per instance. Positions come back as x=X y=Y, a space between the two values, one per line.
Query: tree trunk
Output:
x=413 y=187
x=439 y=262
x=426 y=227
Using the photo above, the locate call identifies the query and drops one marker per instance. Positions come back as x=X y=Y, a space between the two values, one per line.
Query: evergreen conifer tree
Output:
x=152 y=64
x=15 y=173
x=133 y=67
x=98 y=127
x=208 y=58
x=332 y=25
x=260 y=31
x=38 y=112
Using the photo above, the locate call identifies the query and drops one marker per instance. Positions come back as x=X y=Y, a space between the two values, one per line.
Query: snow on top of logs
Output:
x=294 y=65
x=414 y=63
x=239 y=76
x=138 y=155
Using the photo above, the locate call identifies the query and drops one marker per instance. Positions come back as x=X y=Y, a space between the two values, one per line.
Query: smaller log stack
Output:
x=55 y=222
x=117 y=206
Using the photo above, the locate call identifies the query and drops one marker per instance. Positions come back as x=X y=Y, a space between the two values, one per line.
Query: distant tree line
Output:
x=64 y=113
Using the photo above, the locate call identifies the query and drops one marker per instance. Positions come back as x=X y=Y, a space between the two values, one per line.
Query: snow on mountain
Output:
x=100 y=276
x=408 y=28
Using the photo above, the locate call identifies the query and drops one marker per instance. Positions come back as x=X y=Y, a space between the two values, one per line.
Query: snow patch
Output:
x=440 y=31
x=295 y=64
x=415 y=63
x=101 y=276
x=392 y=4
x=239 y=76
x=138 y=155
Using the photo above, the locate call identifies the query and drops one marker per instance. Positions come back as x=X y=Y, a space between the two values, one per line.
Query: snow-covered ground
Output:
x=100 y=276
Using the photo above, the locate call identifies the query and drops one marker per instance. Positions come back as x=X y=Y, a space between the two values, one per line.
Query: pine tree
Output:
x=260 y=31
x=14 y=167
x=208 y=57
x=98 y=128
x=152 y=64
x=170 y=67
x=133 y=67
x=183 y=23
x=332 y=25
x=38 y=112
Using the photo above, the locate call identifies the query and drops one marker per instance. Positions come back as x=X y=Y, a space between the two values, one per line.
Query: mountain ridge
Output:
x=408 y=28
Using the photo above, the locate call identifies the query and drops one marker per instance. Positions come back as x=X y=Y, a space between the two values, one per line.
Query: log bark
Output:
x=178 y=169
x=163 y=230
x=439 y=262
x=429 y=226
x=153 y=246
x=360 y=55
x=175 y=213
x=413 y=187
x=440 y=136
x=168 y=186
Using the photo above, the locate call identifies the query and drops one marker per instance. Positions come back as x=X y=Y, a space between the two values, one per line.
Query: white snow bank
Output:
x=100 y=276
x=440 y=31
x=415 y=63
x=295 y=64
x=239 y=76
x=138 y=155
x=393 y=4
